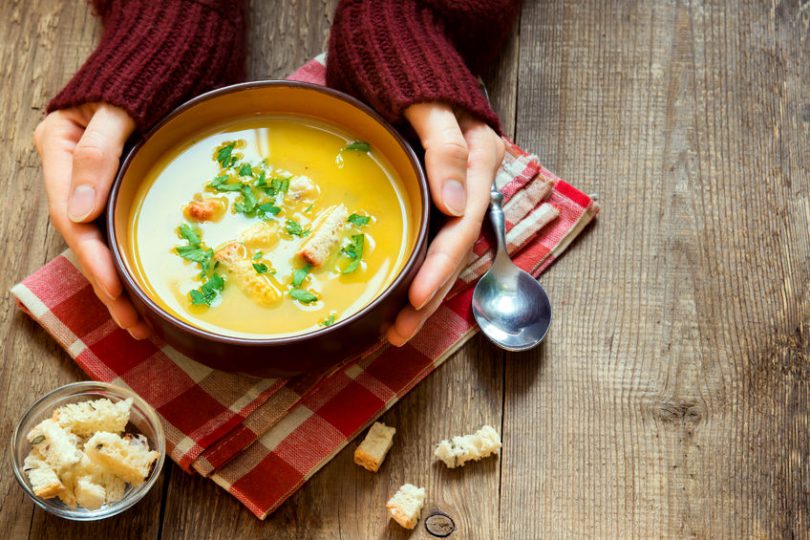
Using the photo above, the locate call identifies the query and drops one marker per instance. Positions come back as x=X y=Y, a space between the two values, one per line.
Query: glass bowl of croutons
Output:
x=88 y=450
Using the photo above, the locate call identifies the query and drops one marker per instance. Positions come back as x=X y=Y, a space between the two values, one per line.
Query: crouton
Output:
x=57 y=445
x=206 y=209
x=127 y=457
x=461 y=449
x=89 y=494
x=302 y=188
x=325 y=237
x=371 y=452
x=263 y=234
x=262 y=288
x=44 y=481
x=406 y=505
x=87 y=417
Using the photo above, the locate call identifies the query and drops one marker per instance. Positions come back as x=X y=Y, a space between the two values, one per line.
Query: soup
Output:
x=270 y=227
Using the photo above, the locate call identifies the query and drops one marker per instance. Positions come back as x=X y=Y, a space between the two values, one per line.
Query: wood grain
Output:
x=672 y=396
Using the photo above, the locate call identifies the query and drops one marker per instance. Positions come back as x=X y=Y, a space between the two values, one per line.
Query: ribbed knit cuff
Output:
x=394 y=53
x=155 y=54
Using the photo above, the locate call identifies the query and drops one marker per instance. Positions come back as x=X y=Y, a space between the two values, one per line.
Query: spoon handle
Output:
x=497 y=219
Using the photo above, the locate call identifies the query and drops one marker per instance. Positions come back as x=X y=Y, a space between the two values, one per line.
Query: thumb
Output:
x=446 y=154
x=95 y=161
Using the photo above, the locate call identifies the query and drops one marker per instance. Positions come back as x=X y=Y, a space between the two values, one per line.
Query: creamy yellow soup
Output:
x=221 y=227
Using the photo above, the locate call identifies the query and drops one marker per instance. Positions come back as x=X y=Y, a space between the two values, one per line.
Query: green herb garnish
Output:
x=358 y=146
x=245 y=170
x=294 y=228
x=354 y=252
x=303 y=296
x=300 y=275
x=206 y=294
x=260 y=268
x=194 y=251
x=220 y=183
x=267 y=209
x=225 y=155
x=248 y=203
x=258 y=255
x=358 y=220
x=329 y=321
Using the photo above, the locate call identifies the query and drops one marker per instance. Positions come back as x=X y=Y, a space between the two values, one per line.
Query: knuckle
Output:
x=89 y=153
x=455 y=149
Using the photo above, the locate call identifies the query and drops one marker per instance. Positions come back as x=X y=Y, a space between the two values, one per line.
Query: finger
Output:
x=445 y=155
x=95 y=161
x=96 y=259
x=449 y=250
x=410 y=320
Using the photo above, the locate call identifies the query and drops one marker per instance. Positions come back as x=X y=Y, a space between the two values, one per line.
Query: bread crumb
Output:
x=372 y=451
x=127 y=457
x=461 y=449
x=406 y=505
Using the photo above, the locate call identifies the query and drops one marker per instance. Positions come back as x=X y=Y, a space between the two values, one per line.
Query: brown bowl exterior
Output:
x=287 y=356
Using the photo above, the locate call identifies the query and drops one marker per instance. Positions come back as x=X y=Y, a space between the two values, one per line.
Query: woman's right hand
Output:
x=80 y=149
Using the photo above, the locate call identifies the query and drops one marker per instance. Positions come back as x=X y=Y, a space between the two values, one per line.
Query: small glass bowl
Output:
x=143 y=419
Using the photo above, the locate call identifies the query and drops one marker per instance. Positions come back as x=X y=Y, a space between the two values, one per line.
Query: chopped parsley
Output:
x=358 y=220
x=303 y=296
x=247 y=203
x=194 y=250
x=206 y=294
x=358 y=146
x=220 y=183
x=294 y=229
x=225 y=155
x=329 y=321
x=300 y=275
x=354 y=252
x=258 y=255
x=260 y=268
x=245 y=170
x=265 y=210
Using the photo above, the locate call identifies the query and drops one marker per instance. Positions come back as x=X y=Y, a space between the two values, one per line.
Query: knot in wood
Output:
x=440 y=524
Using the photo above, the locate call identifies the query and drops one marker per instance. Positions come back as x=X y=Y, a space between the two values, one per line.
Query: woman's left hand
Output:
x=462 y=155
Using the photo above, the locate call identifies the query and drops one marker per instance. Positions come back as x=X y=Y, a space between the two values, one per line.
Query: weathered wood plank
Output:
x=43 y=43
x=672 y=396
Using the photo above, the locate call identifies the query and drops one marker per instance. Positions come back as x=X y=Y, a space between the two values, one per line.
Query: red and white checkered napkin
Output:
x=261 y=439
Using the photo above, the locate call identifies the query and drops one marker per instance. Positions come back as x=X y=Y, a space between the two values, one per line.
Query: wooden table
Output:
x=671 y=397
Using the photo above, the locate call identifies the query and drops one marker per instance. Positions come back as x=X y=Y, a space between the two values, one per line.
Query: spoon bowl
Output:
x=511 y=307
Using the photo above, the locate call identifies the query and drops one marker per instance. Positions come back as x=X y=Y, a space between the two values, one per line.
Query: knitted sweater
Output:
x=155 y=54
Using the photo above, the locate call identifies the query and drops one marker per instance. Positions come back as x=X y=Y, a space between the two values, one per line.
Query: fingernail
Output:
x=428 y=298
x=82 y=202
x=454 y=197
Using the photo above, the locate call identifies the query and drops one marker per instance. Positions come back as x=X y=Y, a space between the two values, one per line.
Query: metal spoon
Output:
x=509 y=305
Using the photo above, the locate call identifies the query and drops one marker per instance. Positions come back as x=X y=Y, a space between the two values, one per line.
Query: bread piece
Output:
x=206 y=209
x=325 y=236
x=114 y=487
x=406 y=505
x=87 y=417
x=302 y=188
x=89 y=494
x=263 y=234
x=127 y=457
x=58 y=446
x=461 y=449
x=371 y=452
x=261 y=288
x=44 y=481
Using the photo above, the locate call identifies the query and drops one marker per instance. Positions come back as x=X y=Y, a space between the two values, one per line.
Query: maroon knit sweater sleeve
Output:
x=155 y=54
x=394 y=53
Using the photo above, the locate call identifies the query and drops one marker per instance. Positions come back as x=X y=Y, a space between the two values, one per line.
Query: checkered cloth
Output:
x=262 y=438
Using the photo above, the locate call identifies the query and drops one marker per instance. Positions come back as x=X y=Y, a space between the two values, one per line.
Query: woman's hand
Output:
x=462 y=155
x=80 y=150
